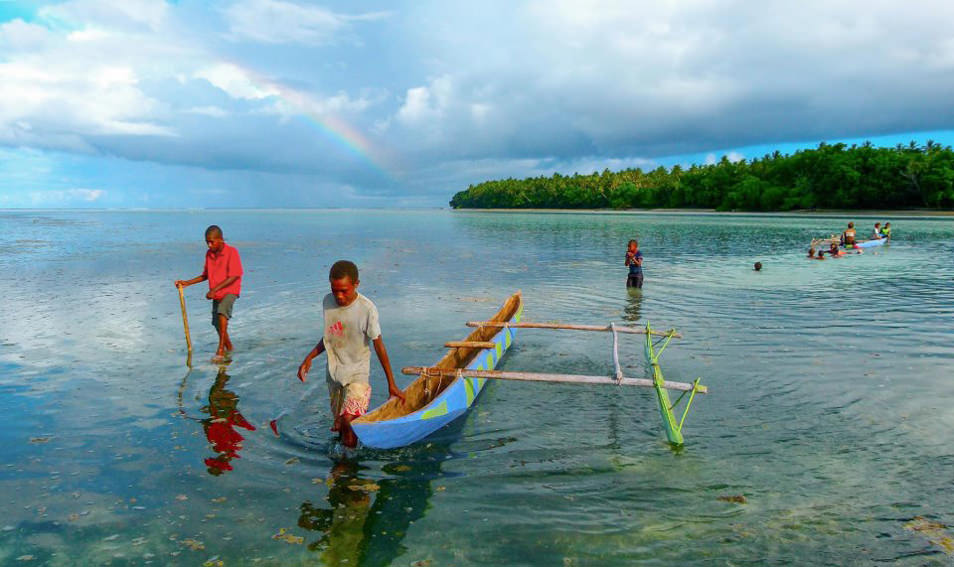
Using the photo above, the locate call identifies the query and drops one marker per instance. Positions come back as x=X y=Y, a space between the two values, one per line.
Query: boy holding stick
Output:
x=223 y=269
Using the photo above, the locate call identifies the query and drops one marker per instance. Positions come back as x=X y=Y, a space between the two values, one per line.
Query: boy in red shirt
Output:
x=223 y=269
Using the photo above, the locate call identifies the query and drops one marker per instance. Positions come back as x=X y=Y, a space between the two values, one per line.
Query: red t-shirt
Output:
x=223 y=265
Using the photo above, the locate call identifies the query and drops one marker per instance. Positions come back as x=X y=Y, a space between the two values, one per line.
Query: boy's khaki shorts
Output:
x=349 y=399
x=222 y=307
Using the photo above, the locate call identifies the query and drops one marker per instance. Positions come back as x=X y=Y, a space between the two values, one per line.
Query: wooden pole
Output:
x=185 y=325
x=606 y=328
x=541 y=377
x=619 y=371
x=470 y=344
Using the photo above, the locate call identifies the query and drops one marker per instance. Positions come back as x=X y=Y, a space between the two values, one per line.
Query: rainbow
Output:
x=335 y=128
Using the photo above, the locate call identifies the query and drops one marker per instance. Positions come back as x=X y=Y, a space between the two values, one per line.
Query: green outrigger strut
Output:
x=673 y=428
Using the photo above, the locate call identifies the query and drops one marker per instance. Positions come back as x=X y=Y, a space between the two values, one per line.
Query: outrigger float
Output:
x=445 y=391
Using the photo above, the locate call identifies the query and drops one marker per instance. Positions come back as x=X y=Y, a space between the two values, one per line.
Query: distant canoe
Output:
x=434 y=401
x=871 y=243
x=824 y=243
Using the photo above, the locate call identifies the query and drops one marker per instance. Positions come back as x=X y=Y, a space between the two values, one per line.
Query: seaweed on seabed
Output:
x=935 y=532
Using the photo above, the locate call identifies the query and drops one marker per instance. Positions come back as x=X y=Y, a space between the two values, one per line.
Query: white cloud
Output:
x=276 y=21
x=17 y=35
x=482 y=90
x=108 y=13
x=65 y=197
x=235 y=81
x=88 y=34
x=211 y=111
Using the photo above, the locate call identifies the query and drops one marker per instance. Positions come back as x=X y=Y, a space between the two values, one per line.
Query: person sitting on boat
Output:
x=848 y=237
x=877 y=235
x=886 y=231
x=634 y=259
x=350 y=325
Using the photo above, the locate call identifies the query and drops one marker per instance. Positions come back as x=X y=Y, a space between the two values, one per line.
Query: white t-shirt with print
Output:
x=347 y=335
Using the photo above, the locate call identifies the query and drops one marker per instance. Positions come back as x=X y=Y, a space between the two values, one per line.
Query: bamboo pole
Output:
x=543 y=377
x=619 y=371
x=603 y=328
x=470 y=344
x=185 y=325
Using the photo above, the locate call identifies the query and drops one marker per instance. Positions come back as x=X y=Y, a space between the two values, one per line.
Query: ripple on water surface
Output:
x=821 y=441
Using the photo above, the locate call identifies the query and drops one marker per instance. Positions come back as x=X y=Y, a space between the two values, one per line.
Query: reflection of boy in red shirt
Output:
x=220 y=426
x=223 y=269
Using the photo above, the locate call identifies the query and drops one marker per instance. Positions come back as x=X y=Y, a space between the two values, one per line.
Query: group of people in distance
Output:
x=351 y=326
x=848 y=241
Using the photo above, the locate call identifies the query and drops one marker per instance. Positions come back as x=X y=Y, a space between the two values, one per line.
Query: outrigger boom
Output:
x=546 y=377
x=672 y=426
x=603 y=328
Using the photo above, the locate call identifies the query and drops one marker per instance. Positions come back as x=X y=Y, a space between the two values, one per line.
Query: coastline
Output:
x=821 y=213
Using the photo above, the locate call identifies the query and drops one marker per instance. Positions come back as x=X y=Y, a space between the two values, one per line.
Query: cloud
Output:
x=235 y=82
x=275 y=21
x=138 y=14
x=212 y=111
x=610 y=78
x=65 y=197
x=452 y=92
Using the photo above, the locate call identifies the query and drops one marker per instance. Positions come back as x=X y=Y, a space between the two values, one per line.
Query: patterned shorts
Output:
x=352 y=399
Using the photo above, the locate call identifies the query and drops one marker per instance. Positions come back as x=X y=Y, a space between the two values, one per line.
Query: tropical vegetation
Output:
x=831 y=176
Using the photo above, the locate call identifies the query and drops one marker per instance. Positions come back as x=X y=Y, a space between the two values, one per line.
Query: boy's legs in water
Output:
x=348 y=403
x=225 y=344
x=348 y=438
x=221 y=312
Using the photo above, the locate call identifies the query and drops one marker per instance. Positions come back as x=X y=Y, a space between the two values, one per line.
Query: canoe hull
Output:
x=871 y=243
x=452 y=402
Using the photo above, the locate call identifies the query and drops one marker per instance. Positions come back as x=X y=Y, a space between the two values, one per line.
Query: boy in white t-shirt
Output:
x=350 y=325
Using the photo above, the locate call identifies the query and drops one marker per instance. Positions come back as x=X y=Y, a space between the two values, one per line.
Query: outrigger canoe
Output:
x=434 y=400
x=823 y=242
x=871 y=243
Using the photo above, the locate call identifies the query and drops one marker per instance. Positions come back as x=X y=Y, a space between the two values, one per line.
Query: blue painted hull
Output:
x=438 y=401
x=871 y=243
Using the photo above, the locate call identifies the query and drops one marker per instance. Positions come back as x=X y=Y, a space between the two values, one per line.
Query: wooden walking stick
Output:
x=185 y=325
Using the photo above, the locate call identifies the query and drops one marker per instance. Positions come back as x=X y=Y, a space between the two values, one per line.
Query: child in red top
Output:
x=223 y=269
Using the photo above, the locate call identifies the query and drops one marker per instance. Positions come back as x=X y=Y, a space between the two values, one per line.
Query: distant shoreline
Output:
x=883 y=214
x=822 y=213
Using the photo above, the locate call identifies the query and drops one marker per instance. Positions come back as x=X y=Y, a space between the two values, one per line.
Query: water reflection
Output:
x=362 y=522
x=219 y=427
x=634 y=305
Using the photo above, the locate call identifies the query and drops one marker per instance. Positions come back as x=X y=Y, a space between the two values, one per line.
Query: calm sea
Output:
x=825 y=439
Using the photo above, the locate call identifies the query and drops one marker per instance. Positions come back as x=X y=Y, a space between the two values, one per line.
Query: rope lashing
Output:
x=619 y=371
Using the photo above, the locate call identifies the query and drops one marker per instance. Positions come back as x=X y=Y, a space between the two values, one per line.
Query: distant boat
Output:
x=822 y=243
x=435 y=400
x=871 y=243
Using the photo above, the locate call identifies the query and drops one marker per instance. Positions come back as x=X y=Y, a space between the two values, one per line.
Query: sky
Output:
x=280 y=103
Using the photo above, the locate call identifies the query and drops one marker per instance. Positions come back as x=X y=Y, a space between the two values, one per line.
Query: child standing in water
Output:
x=223 y=269
x=634 y=259
x=350 y=325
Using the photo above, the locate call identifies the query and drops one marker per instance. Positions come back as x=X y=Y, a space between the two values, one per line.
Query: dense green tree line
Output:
x=831 y=176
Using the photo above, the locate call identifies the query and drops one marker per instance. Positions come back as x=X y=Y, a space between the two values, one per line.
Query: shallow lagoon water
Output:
x=830 y=408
